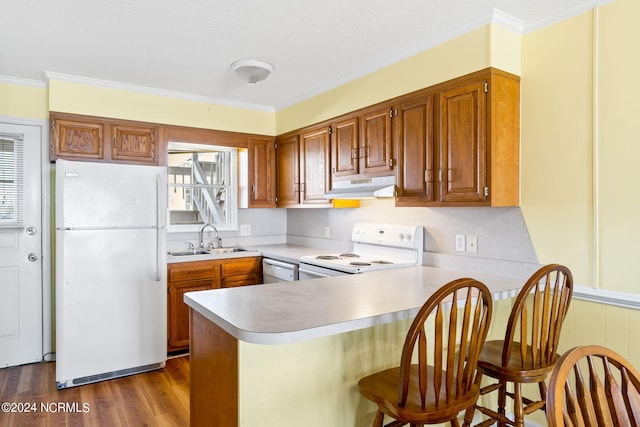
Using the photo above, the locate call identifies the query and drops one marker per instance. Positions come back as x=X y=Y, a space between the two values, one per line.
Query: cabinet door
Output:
x=77 y=140
x=262 y=169
x=344 y=147
x=375 y=145
x=463 y=133
x=415 y=151
x=178 y=312
x=134 y=144
x=288 y=171
x=315 y=166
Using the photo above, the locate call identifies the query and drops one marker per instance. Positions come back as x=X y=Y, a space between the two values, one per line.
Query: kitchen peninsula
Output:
x=290 y=354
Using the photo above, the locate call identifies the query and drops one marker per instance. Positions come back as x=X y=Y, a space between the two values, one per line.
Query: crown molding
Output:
x=51 y=75
x=22 y=82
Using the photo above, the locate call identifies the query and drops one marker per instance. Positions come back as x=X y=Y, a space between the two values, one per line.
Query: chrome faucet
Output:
x=216 y=239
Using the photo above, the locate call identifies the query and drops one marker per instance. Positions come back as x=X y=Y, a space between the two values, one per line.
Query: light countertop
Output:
x=287 y=252
x=287 y=312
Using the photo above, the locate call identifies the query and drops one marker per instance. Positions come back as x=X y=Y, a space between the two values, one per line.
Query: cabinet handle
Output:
x=253 y=189
x=355 y=153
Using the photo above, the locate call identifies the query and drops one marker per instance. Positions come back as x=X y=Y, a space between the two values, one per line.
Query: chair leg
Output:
x=543 y=394
x=502 y=401
x=468 y=414
x=518 y=406
x=377 y=422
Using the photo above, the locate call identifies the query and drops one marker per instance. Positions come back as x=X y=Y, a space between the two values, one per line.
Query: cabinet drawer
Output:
x=241 y=266
x=194 y=270
x=240 y=280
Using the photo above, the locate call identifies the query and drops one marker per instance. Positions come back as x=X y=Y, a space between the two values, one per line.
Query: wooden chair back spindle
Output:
x=593 y=386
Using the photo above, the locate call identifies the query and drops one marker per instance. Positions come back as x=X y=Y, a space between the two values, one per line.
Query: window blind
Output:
x=11 y=181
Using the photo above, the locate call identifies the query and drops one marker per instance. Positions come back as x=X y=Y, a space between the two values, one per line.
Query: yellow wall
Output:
x=556 y=144
x=72 y=97
x=619 y=145
x=23 y=101
x=567 y=192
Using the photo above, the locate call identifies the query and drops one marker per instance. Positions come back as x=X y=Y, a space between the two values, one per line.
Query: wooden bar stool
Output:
x=604 y=389
x=528 y=352
x=418 y=393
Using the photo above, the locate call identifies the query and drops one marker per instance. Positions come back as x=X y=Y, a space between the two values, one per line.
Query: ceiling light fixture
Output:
x=251 y=70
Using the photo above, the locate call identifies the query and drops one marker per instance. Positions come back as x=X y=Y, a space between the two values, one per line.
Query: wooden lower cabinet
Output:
x=193 y=276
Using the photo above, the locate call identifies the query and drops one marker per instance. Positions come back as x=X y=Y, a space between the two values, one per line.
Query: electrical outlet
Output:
x=327 y=232
x=472 y=244
x=460 y=243
x=245 y=230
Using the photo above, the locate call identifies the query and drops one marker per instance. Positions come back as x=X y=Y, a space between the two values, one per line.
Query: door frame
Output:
x=46 y=170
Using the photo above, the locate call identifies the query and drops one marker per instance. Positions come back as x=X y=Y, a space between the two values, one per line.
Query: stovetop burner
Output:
x=327 y=257
x=350 y=255
x=359 y=263
x=381 y=261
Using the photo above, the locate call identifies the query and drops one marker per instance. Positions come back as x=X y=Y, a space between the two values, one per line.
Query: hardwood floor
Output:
x=158 y=398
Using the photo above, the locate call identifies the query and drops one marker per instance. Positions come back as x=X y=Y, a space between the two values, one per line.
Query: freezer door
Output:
x=103 y=195
x=110 y=306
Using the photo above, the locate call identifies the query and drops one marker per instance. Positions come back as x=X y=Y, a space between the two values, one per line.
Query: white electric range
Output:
x=375 y=247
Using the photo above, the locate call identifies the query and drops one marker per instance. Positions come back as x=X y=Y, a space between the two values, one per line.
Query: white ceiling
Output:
x=186 y=47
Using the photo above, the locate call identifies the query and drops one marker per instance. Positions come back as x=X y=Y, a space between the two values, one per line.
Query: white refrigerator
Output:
x=111 y=307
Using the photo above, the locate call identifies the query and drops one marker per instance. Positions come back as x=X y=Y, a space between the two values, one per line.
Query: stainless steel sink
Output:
x=225 y=250
x=188 y=253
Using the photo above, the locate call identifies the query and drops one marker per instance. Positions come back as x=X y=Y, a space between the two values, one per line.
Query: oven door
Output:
x=308 y=271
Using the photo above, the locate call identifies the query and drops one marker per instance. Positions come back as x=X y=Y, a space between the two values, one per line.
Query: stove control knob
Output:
x=401 y=236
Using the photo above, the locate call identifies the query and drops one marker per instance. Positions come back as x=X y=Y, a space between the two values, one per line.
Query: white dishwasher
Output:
x=277 y=271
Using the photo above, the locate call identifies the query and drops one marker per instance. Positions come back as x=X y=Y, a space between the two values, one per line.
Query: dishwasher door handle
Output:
x=286 y=265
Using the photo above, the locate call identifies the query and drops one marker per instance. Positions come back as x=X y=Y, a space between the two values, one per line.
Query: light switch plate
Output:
x=460 y=243
x=245 y=230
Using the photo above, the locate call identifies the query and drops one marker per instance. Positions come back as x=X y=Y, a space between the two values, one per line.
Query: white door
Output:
x=20 y=245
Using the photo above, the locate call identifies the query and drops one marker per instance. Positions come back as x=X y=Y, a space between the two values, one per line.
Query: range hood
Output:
x=364 y=188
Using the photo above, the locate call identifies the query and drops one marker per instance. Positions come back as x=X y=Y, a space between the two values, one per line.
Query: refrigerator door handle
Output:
x=159 y=229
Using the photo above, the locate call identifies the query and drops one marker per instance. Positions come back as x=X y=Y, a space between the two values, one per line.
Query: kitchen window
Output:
x=11 y=181
x=203 y=187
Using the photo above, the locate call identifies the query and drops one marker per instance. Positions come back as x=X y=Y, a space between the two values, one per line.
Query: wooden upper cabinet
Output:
x=288 y=170
x=463 y=143
x=74 y=139
x=77 y=137
x=134 y=143
x=479 y=140
x=314 y=165
x=459 y=142
x=262 y=172
x=375 y=141
x=415 y=137
x=344 y=147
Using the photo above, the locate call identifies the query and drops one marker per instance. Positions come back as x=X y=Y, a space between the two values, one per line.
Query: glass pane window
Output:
x=11 y=182
x=202 y=185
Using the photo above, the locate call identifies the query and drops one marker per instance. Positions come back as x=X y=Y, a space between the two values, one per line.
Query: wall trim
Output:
x=22 y=82
x=617 y=298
